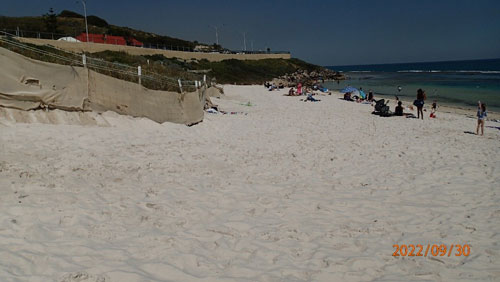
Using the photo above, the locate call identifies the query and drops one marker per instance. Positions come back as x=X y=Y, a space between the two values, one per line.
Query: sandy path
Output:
x=292 y=191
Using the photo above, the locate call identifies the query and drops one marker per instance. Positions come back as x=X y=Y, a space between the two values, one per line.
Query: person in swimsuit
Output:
x=481 y=116
x=419 y=103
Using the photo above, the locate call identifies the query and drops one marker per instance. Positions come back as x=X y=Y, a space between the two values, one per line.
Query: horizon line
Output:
x=420 y=62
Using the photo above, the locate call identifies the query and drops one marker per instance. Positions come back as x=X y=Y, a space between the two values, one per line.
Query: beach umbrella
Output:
x=355 y=93
x=348 y=89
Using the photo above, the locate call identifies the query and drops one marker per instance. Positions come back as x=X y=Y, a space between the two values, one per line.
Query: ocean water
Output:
x=457 y=83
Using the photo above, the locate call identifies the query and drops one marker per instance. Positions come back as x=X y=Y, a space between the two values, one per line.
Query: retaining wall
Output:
x=98 y=47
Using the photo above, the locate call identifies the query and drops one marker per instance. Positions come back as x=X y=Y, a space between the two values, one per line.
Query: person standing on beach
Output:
x=481 y=116
x=370 y=95
x=419 y=103
x=299 y=89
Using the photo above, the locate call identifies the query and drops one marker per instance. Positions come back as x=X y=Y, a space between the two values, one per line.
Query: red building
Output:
x=115 y=40
x=109 y=39
x=135 y=42
x=96 y=38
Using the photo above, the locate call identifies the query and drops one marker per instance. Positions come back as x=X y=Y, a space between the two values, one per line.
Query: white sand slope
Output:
x=292 y=191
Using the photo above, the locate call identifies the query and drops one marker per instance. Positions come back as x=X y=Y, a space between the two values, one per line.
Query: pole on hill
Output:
x=216 y=36
x=85 y=13
x=245 y=41
x=217 y=32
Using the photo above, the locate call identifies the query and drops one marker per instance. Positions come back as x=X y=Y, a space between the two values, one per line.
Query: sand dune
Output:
x=283 y=190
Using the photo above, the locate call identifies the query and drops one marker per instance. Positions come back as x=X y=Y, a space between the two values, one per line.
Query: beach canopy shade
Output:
x=69 y=39
x=348 y=89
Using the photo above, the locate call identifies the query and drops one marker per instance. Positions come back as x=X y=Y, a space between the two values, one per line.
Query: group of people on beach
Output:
x=308 y=92
x=419 y=102
x=361 y=97
x=272 y=86
x=481 y=110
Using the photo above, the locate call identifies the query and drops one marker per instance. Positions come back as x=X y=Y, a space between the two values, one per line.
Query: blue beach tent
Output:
x=348 y=89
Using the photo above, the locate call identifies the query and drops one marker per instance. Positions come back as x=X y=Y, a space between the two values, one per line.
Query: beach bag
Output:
x=418 y=103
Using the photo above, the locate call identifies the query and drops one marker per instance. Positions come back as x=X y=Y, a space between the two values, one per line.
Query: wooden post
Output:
x=139 y=73
x=180 y=84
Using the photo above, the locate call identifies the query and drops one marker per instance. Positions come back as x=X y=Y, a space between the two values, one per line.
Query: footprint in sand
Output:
x=83 y=277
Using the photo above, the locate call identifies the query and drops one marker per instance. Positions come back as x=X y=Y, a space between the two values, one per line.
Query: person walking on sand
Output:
x=481 y=116
x=419 y=103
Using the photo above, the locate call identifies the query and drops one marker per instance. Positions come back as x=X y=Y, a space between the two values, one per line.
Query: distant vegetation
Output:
x=96 y=21
x=50 y=20
x=252 y=71
x=225 y=72
x=72 y=24
x=70 y=14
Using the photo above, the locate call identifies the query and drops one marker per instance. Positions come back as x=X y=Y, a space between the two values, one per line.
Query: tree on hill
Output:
x=50 y=20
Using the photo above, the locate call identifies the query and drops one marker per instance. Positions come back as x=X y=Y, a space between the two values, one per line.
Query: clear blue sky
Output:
x=328 y=32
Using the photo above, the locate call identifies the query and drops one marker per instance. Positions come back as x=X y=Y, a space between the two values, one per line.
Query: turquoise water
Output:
x=459 y=84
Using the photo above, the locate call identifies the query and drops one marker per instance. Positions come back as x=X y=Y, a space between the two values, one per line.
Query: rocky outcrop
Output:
x=308 y=78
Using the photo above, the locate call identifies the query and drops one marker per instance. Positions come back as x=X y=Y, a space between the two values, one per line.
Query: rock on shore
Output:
x=308 y=78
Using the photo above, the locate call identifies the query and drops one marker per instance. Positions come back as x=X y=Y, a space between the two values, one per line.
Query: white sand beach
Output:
x=283 y=190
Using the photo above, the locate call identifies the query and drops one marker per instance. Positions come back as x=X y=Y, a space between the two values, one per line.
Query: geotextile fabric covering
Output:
x=108 y=93
x=214 y=92
x=28 y=84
